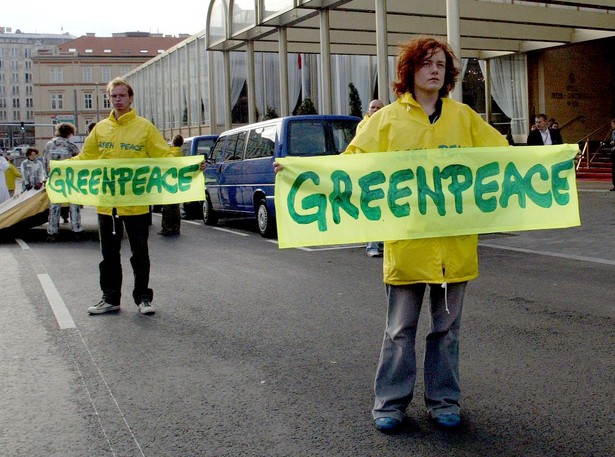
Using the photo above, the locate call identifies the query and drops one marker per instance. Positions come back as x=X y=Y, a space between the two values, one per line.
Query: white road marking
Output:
x=57 y=304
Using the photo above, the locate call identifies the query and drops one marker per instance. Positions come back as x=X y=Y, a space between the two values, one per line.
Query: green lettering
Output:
x=155 y=180
x=376 y=178
x=184 y=178
x=543 y=200
x=486 y=205
x=425 y=191
x=82 y=181
x=70 y=184
x=341 y=198
x=512 y=184
x=558 y=183
x=108 y=183
x=57 y=185
x=94 y=181
x=139 y=181
x=170 y=187
x=123 y=176
x=396 y=193
x=457 y=187
x=318 y=201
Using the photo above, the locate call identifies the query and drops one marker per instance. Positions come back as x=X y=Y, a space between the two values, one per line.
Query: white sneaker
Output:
x=145 y=307
x=374 y=253
x=102 y=307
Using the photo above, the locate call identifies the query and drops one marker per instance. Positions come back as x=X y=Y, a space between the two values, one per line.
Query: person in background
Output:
x=32 y=171
x=123 y=135
x=373 y=248
x=11 y=174
x=424 y=117
x=61 y=148
x=171 y=214
x=542 y=134
x=91 y=126
x=4 y=191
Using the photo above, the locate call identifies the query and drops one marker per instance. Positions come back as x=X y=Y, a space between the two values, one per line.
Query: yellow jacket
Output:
x=404 y=125
x=10 y=175
x=176 y=151
x=128 y=137
x=363 y=121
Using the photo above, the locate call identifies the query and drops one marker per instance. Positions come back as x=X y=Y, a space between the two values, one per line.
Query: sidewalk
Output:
x=592 y=241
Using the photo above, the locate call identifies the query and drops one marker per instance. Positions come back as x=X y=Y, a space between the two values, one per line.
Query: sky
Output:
x=104 y=18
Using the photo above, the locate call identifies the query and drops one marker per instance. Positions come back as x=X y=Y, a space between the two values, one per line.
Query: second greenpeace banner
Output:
x=424 y=193
x=126 y=182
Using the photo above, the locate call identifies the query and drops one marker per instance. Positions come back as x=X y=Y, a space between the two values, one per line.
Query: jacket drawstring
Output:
x=113 y=217
x=445 y=287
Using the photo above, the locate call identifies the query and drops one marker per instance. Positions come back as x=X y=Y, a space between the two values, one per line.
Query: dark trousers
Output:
x=171 y=218
x=111 y=229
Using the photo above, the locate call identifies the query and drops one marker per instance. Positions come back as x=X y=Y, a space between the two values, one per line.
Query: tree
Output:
x=307 y=107
x=271 y=113
x=354 y=101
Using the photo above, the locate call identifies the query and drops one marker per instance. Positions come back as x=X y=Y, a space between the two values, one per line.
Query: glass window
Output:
x=316 y=138
x=243 y=15
x=87 y=74
x=217 y=21
x=57 y=101
x=106 y=74
x=274 y=7
x=261 y=142
x=87 y=101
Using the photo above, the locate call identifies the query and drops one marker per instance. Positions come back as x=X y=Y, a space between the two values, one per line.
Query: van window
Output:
x=203 y=146
x=229 y=148
x=343 y=132
x=186 y=148
x=261 y=142
x=306 y=139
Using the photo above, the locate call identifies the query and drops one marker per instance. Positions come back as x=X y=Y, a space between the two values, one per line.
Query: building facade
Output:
x=17 y=102
x=69 y=80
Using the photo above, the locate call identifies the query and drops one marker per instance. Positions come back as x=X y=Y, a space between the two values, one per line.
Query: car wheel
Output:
x=210 y=217
x=266 y=223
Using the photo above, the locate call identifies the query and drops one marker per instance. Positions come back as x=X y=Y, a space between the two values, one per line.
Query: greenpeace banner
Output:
x=126 y=182
x=424 y=193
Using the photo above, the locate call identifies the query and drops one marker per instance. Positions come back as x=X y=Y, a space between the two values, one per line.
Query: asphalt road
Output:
x=257 y=351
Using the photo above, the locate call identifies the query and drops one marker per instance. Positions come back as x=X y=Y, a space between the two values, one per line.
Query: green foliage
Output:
x=354 y=101
x=307 y=107
x=271 y=113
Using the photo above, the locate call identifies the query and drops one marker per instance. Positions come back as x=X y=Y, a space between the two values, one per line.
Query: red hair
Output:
x=412 y=54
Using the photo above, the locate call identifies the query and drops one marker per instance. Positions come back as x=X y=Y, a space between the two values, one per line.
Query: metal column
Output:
x=382 y=50
x=454 y=40
x=283 y=69
x=325 y=62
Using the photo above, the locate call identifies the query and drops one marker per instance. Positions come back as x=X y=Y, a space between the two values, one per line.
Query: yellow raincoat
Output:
x=404 y=125
x=128 y=137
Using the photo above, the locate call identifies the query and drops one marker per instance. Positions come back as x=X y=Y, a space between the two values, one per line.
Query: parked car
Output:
x=192 y=146
x=239 y=176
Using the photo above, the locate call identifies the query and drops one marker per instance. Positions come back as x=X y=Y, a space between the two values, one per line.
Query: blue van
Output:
x=239 y=176
x=192 y=146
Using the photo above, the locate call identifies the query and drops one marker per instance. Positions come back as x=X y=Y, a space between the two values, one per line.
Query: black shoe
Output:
x=169 y=232
x=51 y=238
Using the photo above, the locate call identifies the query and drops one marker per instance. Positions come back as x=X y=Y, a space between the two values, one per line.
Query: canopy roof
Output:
x=487 y=28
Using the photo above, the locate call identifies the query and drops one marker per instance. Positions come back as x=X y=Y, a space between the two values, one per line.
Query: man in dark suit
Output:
x=542 y=134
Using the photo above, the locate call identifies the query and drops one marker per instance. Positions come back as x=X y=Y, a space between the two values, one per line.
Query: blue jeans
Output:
x=111 y=233
x=396 y=372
